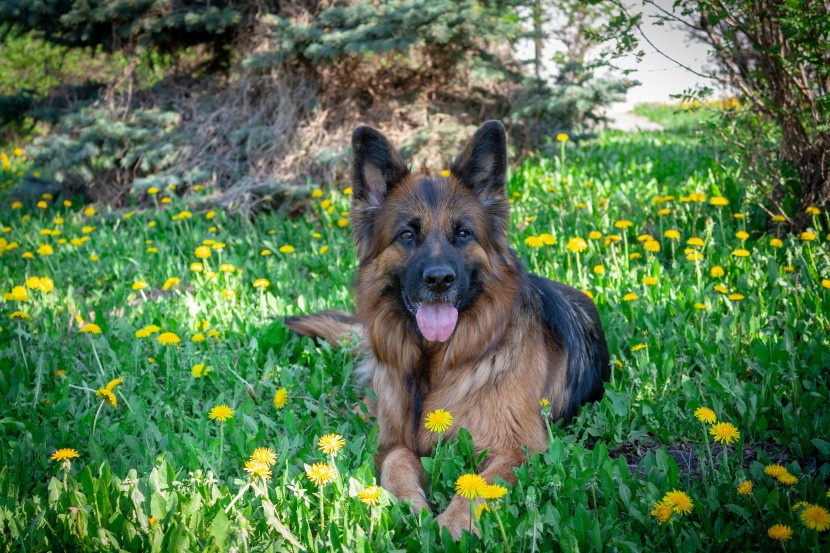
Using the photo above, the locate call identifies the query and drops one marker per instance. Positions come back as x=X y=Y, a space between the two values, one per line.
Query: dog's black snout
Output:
x=439 y=278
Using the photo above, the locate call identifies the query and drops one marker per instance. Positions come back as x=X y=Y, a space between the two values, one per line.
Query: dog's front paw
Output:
x=457 y=518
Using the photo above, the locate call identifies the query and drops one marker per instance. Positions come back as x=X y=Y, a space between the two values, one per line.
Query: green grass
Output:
x=155 y=472
x=679 y=118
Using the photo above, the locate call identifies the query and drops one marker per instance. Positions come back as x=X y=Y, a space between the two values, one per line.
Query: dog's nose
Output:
x=439 y=278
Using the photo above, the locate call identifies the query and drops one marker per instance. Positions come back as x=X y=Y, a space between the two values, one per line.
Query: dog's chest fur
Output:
x=487 y=397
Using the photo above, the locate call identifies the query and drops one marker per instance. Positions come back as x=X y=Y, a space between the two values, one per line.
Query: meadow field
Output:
x=153 y=400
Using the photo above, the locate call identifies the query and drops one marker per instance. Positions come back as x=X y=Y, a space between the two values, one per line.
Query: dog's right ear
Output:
x=378 y=167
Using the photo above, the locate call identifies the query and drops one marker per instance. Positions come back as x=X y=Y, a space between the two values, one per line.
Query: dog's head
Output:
x=427 y=245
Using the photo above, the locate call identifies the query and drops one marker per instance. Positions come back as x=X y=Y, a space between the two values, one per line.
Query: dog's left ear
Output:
x=482 y=165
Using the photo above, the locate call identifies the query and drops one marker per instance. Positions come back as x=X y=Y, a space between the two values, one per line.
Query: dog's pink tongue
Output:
x=436 y=320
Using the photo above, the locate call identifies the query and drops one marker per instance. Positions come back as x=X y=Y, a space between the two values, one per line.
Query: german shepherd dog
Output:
x=449 y=319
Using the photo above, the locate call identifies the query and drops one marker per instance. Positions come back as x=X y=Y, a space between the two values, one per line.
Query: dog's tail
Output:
x=332 y=326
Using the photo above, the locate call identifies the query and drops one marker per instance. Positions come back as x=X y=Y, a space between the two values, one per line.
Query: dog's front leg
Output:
x=456 y=518
x=401 y=474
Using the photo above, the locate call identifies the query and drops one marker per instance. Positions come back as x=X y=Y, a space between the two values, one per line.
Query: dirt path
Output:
x=622 y=120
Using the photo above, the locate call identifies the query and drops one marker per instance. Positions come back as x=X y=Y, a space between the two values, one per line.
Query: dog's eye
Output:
x=407 y=235
x=463 y=233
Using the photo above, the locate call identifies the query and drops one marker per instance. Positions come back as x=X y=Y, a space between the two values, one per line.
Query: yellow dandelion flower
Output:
x=46 y=285
x=221 y=413
x=638 y=347
x=695 y=241
x=663 y=511
x=725 y=432
x=562 y=137
x=717 y=271
x=534 y=242
x=342 y=222
x=198 y=370
x=492 y=491
x=623 y=224
x=652 y=246
x=649 y=281
x=825 y=283
x=816 y=517
x=331 y=444
x=264 y=455
x=113 y=383
x=320 y=473
x=19 y=293
x=45 y=249
x=705 y=415
x=745 y=488
x=719 y=201
x=106 y=395
x=469 y=485
x=19 y=315
x=547 y=238
x=740 y=252
x=594 y=235
x=90 y=328
x=680 y=502
x=286 y=248
x=742 y=235
x=168 y=339
x=139 y=285
x=588 y=293
x=779 y=218
x=280 y=398
x=257 y=469
x=787 y=479
x=347 y=191
x=202 y=252
x=170 y=282
x=812 y=210
x=736 y=297
x=776 y=243
x=599 y=269
x=663 y=212
x=807 y=236
x=438 y=421
x=64 y=454
x=577 y=245
x=261 y=283
x=631 y=296
x=672 y=234
x=775 y=470
x=370 y=495
x=323 y=249
x=544 y=402
x=227 y=268
x=780 y=532
x=701 y=306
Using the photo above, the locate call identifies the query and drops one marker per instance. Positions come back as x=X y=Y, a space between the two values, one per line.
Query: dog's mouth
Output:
x=436 y=321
